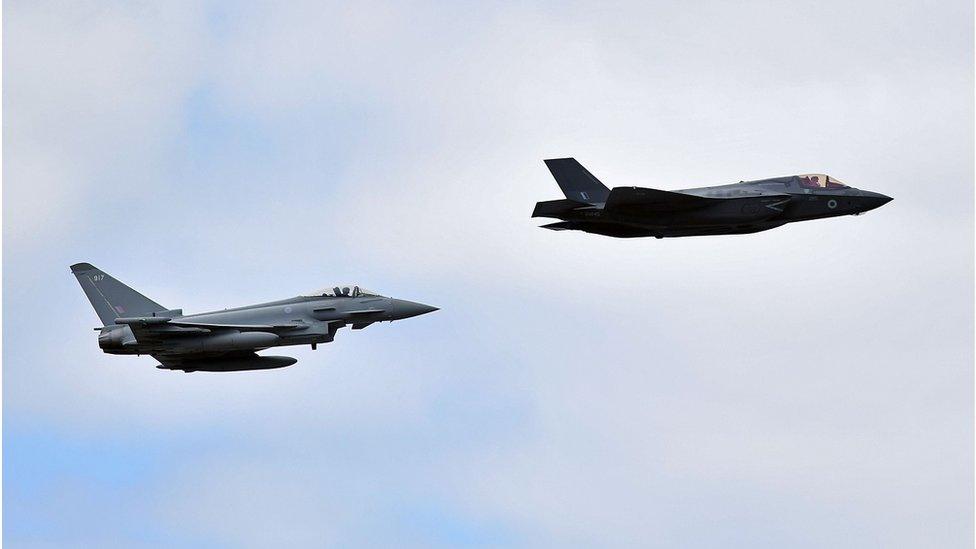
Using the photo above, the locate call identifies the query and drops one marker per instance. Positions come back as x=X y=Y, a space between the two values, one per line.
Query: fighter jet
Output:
x=739 y=208
x=226 y=341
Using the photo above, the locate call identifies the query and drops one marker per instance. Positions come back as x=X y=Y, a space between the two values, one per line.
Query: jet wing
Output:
x=154 y=326
x=274 y=328
x=145 y=334
x=644 y=200
x=641 y=199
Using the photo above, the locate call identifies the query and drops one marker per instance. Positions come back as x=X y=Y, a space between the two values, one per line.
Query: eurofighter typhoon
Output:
x=226 y=341
x=739 y=208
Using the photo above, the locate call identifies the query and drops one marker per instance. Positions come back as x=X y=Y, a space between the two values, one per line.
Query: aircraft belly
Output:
x=629 y=229
x=720 y=230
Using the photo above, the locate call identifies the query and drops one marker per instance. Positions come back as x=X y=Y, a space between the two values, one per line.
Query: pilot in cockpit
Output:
x=346 y=290
x=820 y=181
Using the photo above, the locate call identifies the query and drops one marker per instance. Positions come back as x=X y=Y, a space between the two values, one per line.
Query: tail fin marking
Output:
x=110 y=298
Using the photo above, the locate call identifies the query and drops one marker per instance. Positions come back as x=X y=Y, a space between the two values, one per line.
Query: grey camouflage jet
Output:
x=226 y=341
x=739 y=208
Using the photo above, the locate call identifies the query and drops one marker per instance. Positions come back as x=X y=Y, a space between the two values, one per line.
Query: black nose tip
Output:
x=871 y=200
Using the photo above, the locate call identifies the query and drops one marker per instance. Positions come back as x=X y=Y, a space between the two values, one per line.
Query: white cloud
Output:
x=92 y=93
x=806 y=386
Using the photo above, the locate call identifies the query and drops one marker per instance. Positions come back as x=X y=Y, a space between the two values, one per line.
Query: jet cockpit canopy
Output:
x=342 y=290
x=820 y=181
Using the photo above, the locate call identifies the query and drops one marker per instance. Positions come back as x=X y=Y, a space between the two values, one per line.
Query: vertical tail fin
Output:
x=576 y=182
x=110 y=298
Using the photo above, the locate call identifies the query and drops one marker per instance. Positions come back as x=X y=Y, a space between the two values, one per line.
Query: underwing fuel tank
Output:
x=231 y=341
x=233 y=364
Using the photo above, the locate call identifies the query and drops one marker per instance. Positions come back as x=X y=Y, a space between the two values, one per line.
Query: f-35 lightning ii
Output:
x=226 y=341
x=739 y=208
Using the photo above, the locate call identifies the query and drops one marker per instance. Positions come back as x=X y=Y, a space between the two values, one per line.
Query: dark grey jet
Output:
x=739 y=208
x=226 y=341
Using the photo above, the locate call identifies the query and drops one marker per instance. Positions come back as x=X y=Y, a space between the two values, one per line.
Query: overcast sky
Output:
x=810 y=386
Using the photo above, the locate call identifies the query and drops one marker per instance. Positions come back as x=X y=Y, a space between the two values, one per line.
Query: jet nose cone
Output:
x=407 y=309
x=870 y=200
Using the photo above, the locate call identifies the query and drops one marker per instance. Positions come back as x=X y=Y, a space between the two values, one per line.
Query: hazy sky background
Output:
x=810 y=386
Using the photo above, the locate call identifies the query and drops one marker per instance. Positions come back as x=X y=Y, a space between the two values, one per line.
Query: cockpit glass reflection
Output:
x=820 y=181
x=343 y=290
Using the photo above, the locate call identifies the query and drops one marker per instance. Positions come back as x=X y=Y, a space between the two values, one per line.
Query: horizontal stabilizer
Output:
x=556 y=208
x=560 y=226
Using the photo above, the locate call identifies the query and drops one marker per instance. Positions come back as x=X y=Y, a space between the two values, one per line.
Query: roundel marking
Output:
x=831 y=203
x=287 y=309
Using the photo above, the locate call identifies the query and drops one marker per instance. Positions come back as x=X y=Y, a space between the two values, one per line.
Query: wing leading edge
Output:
x=653 y=200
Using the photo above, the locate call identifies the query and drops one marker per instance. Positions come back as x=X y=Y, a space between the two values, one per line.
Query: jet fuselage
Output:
x=226 y=340
x=315 y=321
x=738 y=208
